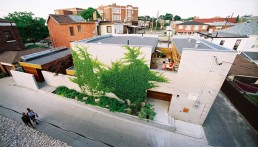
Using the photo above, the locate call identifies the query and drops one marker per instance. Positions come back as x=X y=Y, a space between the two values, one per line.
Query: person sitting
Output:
x=164 y=65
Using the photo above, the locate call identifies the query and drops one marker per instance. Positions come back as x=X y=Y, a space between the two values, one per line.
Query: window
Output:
x=204 y=27
x=180 y=27
x=71 y=31
x=236 y=44
x=222 y=42
x=129 y=13
x=109 y=29
x=116 y=17
x=79 y=28
x=8 y=35
x=116 y=10
x=196 y=27
x=188 y=27
x=253 y=46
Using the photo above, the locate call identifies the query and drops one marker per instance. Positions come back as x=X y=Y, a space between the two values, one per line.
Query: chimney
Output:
x=127 y=42
x=189 y=39
x=197 y=43
x=142 y=35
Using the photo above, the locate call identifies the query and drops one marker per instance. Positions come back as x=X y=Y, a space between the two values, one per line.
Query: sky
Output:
x=183 y=8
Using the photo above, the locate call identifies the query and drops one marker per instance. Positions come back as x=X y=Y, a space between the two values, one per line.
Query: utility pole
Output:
x=156 y=22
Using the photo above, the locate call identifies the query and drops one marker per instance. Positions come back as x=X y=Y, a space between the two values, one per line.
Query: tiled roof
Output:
x=191 y=23
x=212 y=20
x=250 y=55
x=66 y=19
x=245 y=28
x=15 y=56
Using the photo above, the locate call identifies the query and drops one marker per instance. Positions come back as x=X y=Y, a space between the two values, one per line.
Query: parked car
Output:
x=43 y=41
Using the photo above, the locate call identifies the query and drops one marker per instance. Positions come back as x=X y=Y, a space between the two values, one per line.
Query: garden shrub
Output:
x=90 y=100
x=69 y=93
x=3 y=75
x=147 y=112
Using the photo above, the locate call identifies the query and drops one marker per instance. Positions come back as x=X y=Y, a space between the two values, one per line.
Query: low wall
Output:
x=59 y=80
x=24 y=79
x=242 y=104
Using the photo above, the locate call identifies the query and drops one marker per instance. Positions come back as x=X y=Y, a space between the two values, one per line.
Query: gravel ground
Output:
x=13 y=133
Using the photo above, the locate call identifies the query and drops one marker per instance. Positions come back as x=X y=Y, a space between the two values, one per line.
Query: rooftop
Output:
x=66 y=19
x=15 y=56
x=250 y=55
x=212 y=20
x=245 y=28
x=222 y=35
x=183 y=43
x=222 y=23
x=135 y=40
x=46 y=56
x=192 y=23
x=5 y=21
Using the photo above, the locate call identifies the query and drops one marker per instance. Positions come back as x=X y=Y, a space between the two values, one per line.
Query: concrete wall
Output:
x=60 y=80
x=199 y=78
x=245 y=44
x=24 y=79
x=108 y=53
x=116 y=29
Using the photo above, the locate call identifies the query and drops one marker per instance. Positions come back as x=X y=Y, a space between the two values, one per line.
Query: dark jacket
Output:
x=25 y=118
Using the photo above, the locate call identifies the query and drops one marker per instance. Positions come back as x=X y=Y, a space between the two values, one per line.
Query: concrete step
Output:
x=47 y=88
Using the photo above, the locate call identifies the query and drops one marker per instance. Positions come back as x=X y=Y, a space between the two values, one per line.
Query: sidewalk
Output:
x=79 y=118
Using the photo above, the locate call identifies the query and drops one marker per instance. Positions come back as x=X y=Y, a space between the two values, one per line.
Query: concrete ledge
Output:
x=156 y=124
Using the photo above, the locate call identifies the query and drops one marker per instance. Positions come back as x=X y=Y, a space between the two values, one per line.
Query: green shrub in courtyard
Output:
x=147 y=112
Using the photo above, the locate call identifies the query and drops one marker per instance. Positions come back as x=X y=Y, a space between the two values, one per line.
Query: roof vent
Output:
x=127 y=42
x=197 y=43
x=189 y=39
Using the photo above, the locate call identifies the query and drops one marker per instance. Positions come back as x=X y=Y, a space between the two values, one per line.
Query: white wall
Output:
x=191 y=78
x=24 y=79
x=108 y=53
x=60 y=80
x=117 y=28
x=245 y=44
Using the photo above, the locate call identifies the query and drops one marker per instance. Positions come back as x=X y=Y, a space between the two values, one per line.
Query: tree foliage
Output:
x=168 y=16
x=30 y=29
x=128 y=78
x=88 y=13
x=177 y=17
x=237 y=19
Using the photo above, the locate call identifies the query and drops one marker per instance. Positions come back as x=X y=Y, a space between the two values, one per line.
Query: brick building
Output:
x=69 y=11
x=64 y=29
x=191 y=27
x=126 y=14
x=9 y=37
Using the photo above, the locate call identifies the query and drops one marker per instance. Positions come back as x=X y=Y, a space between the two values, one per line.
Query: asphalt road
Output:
x=226 y=127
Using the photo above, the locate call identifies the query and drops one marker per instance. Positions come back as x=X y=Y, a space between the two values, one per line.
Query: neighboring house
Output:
x=110 y=28
x=9 y=59
x=126 y=14
x=220 y=25
x=212 y=20
x=190 y=92
x=241 y=37
x=64 y=29
x=251 y=56
x=49 y=60
x=191 y=27
x=10 y=39
x=69 y=11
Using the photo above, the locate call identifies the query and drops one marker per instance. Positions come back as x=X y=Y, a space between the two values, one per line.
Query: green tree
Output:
x=88 y=13
x=177 y=17
x=128 y=78
x=168 y=16
x=30 y=29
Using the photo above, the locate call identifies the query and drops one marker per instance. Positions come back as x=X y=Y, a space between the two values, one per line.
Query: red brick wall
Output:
x=60 y=34
x=4 y=45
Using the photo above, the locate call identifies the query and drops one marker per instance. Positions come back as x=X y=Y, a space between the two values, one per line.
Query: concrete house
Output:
x=192 y=88
x=64 y=29
x=107 y=27
x=191 y=27
x=241 y=37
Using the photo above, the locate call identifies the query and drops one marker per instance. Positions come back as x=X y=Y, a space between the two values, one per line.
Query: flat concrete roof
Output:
x=49 y=57
x=137 y=40
x=183 y=43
